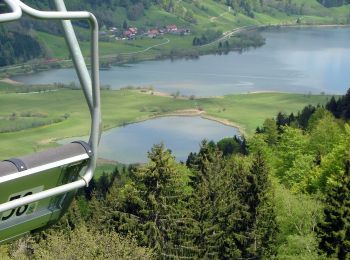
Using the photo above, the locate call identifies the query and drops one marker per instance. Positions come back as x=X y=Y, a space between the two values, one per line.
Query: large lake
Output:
x=293 y=60
x=182 y=135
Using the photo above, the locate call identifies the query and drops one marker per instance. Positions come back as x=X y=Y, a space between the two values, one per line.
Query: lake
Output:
x=182 y=135
x=308 y=60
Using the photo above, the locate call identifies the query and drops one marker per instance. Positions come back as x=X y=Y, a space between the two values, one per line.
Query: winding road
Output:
x=167 y=41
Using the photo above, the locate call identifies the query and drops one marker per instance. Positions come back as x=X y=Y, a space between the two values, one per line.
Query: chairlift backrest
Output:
x=36 y=190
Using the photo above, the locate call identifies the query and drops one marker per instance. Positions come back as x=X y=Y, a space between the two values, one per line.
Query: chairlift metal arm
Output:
x=91 y=91
x=64 y=15
x=14 y=15
x=76 y=54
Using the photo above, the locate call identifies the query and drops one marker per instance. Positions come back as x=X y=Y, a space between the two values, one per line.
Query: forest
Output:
x=282 y=193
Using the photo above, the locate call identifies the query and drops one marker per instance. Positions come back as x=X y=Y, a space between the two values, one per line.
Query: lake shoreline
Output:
x=166 y=56
x=179 y=113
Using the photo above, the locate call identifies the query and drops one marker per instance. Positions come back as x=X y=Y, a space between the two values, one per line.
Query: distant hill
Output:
x=197 y=15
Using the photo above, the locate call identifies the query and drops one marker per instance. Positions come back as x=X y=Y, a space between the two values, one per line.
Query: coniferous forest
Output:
x=281 y=194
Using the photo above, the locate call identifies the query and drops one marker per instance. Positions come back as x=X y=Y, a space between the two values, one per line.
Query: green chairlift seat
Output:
x=34 y=173
x=36 y=190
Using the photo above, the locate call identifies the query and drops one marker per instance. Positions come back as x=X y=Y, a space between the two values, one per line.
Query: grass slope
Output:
x=208 y=14
x=121 y=107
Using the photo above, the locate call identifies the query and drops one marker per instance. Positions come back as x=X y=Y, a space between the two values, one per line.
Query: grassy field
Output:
x=250 y=110
x=122 y=107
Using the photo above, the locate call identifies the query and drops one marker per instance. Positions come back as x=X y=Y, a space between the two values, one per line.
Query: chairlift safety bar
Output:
x=90 y=86
x=14 y=15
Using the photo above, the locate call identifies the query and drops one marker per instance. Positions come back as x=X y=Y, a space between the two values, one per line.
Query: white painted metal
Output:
x=90 y=85
x=14 y=15
x=42 y=168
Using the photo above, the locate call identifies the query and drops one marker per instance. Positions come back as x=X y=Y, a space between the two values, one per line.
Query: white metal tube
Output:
x=41 y=195
x=52 y=15
x=42 y=168
x=77 y=56
x=14 y=15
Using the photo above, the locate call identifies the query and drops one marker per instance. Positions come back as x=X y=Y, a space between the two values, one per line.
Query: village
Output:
x=131 y=33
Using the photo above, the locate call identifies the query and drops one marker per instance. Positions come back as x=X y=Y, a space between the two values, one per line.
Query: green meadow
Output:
x=67 y=113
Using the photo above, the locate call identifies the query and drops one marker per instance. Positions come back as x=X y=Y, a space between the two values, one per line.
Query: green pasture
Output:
x=114 y=48
x=120 y=107
x=250 y=110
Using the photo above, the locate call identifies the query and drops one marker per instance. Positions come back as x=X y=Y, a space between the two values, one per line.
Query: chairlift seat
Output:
x=34 y=173
x=36 y=190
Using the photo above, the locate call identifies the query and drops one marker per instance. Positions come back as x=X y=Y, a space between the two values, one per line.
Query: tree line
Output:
x=17 y=46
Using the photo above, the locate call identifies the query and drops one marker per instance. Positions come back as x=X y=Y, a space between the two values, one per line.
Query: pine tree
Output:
x=233 y=209
x=152 y=206
x=247 y=217
x=261 y=208
x=206 y=183
x=334 y=230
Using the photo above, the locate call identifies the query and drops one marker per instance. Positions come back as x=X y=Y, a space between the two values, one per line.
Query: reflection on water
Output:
x=293 y=60
x=182 y=135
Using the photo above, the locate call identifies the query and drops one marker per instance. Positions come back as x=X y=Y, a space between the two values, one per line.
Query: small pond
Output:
x=182 y=135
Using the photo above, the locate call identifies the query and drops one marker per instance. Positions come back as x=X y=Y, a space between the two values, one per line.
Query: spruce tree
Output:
x=206 y=183
x=261 y=208
x=233 y=209
x=152 y=206
x=334 y=230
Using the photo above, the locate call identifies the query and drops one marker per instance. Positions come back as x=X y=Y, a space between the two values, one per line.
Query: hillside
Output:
x=155 y=26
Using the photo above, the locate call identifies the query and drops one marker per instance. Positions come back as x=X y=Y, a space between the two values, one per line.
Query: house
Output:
x=153 y=33
x=127 y=34
x=171 y=28
x=133 y=30
x=130 y=33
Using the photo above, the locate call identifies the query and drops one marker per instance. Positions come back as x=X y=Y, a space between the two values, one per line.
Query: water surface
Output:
x=182 y=135
x=308 y=60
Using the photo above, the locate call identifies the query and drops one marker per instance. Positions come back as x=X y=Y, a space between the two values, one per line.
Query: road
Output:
x=230 y=33
x=167 y=41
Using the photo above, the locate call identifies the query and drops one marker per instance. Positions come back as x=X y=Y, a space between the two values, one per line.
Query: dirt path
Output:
x=212 y=19
x=167 y=41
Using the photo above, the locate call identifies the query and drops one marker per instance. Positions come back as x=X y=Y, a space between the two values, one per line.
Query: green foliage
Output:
x=151 y=204
x=258 y=196
x=332 y=165
x=334 y=229
x=82 y=243
x=325 y=133
x=232 y=207
x=235 y=145
x=270 y=131
x=206 y=182
x=17 y=46
x=297 y=217
x=292 y=144
x=340 y=108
